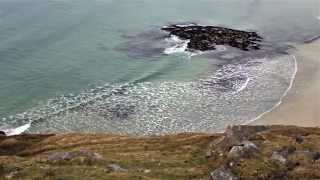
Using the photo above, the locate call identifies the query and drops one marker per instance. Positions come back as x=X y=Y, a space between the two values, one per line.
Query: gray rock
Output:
x=222 y=174
x=116 y=168
x=309 y=155
x=245 y=149
x=235 y=135
x=278 y=157
x=287 y=150
x=236 y=152
x=67 y=156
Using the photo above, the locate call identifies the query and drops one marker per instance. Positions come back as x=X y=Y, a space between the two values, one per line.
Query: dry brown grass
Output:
x=183 y=156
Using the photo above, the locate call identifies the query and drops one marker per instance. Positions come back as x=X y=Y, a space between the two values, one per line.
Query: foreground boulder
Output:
x=245 y=150
x=222 y=174
x=206 y=38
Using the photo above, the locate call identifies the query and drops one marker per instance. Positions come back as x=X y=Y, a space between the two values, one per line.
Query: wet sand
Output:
x=301 y=106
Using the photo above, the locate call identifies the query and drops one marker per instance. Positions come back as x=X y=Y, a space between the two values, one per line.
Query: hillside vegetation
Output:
x=242 y=152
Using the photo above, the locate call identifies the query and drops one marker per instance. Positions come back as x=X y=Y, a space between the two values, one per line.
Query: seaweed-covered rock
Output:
x=205 y=38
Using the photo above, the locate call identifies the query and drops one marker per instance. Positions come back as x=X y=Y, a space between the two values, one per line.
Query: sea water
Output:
x=105 y=65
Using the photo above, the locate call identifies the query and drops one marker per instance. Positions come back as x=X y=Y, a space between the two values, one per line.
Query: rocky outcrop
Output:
x=236 y=135
x=245 y=149
x=206 y=38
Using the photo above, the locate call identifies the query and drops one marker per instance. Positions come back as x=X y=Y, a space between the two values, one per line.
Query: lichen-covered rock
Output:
x=245 y=149
x=278 y=157
x=222 y=174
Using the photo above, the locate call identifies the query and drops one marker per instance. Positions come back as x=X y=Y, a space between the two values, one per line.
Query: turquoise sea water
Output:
x=57 y=54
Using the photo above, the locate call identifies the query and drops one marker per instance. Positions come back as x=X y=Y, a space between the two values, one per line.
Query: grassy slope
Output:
x=183 y=156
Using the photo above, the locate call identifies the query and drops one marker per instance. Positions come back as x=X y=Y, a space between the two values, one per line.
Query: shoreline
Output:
x=300 y=104
x=291 y=108
x=252 y=121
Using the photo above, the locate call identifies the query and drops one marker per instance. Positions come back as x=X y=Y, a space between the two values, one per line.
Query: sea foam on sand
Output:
x=16 y=131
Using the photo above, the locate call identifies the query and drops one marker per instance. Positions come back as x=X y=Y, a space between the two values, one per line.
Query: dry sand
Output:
x=301 y=106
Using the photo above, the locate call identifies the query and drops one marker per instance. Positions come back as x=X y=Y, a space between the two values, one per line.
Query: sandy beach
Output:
x=301 y=106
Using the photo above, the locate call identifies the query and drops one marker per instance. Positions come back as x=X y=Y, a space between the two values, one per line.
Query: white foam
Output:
x=179 y=45
x=283 y=95
x=157 y=107
x=243 y=86
x=186 y=25
x=221 y=48
x=18 y=130
x=229 y=72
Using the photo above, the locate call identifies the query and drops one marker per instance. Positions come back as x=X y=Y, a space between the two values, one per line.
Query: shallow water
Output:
x=101 y=65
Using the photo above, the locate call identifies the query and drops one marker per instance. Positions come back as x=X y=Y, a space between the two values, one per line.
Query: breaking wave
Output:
x=17 y=130
x=231 y=95
x=176 y=45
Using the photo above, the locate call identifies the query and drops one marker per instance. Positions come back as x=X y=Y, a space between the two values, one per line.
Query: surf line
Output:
x=283 y=95
x=16 y=131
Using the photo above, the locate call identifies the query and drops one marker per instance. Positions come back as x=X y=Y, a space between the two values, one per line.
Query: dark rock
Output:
x=299 y=139
x=222 y=174
x=287 y=150
x=122 y=111
x=291 y=165
x=316 y=156
x=2 y=133
x=305 y=155
x=205 y=38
